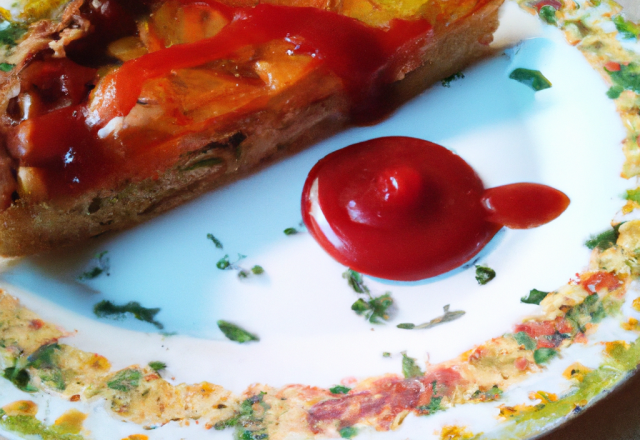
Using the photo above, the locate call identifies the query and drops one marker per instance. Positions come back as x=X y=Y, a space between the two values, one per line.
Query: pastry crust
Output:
x=314 y=107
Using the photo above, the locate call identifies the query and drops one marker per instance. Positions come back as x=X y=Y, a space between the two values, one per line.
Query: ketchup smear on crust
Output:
x=407 y=209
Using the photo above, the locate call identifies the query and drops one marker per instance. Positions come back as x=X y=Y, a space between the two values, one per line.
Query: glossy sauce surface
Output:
x=407 y=209
x=363 y=57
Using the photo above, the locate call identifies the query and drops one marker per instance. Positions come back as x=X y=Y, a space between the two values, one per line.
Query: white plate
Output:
x=567 y=137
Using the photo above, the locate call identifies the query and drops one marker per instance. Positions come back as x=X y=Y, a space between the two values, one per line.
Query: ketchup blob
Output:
x=407 y=209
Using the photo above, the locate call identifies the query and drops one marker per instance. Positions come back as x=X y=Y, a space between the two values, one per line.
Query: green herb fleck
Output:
x=355 y=281
x=409 y=367
x=522 y=338
x=45 y=359
x=125 y=380
x=30 y=427
x=6 y=67
x=535 y=297
x=223 y=263
x=107 y=309
x=531 y=78
x=236 y=333
x=628 y=77
x=590 y=310
x=544 y=355
x=604 y=240
x=447 y=317
x=10 y=33
x=157 y=366
x=487 y=396
x=248 y=420
x=99 y=264
x=215 y=241
x=348 y=432
x=339 y=389
x=386 y=354
x=484 y=274
x=448 y=80
x=290 y=231
x=614 y=92
x=257 y=270
x=627 y=29
x=435 y=404
x=548 y=14
x=20 y=378
x=633 y=195
x=374 y=309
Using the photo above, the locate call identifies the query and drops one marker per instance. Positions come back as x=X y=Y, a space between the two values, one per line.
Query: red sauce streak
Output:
x=355 y=52
x=362 y=56
x=407 y=209
x=386 y=398
x=548 y=334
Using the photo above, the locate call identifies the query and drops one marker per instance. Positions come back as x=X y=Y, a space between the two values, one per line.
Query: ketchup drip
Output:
x=407 y=209
x=365 y=58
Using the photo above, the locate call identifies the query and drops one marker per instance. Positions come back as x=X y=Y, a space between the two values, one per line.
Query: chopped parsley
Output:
x=531 y=78
x=45 y=359
x=386 y=354
x=157 y=366
x=125 y=380
x=225 y=264
x=20 y=378
x=633 y=195
x=626 y=28
x=290 y=231
x=215 y=241
x=548 y=14
x=435 y=404
x=590 y=310
x=604 y=240
x=248 y=420
x=339 y=389
x=484 y=274
x=614 y=92
x=374 y=309
x=348 y=432
x=487 y=396
x=99 y=264
x=535 y=297
x=522 y=338
x=447 y=317
x=627 y=78
x=409 y=367
x=544 y=355
x=448 y=80
x=10 y=33
x=236 y=333
x=107 y=309
x=6 y=67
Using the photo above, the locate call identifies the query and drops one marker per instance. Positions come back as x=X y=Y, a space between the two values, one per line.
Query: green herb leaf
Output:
x=125 y=380
x=157 y=366
x=633 y=195
x=626 y=28
x=339 y=389
x=628 y=77
x=531 y=78
x=257 y=270
x=535 y=297
x=447 y=317
x=544 y=355
x=223 y=263
x=604 y=240
x=6 y=67
x=484 y=274
x=215 y=241
x=374 y=309
x=99 y=264
x=409 y=367
x=386 y=354
x=10 y=33
x=527 y=341
x=107 y=309
x=44 y=357
x=290 y=231
x=615 y=91
x=548 y=14
x=487 y=396
x=448 y=80
x=20 y=378
x=348 y=432
x=236 y=333
x=355 y=281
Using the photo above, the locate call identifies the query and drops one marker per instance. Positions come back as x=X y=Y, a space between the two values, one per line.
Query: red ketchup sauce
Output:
x=406 y=209
x=365 y=58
